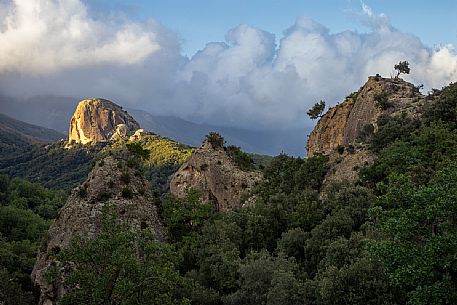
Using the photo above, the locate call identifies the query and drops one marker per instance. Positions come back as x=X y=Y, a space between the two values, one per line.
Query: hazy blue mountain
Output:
x=270 y=142
x=15 y=132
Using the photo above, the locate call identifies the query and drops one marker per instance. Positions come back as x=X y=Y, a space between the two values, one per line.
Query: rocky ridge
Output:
x=338 y=132
x=97 y=120
x=210 y=171
x=113 y=183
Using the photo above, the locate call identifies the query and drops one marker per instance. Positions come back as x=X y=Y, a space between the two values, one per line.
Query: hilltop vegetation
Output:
x=388 y=238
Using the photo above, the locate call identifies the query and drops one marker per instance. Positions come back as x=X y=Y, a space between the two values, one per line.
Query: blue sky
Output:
x=200 y=21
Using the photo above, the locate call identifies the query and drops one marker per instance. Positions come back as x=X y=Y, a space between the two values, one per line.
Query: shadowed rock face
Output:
x=211 y=172
x=82 y=215
x=343 y=124
x=97 y=120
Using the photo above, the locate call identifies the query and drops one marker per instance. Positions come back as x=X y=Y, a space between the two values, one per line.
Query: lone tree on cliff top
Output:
x=317 y=110
x=402 y=68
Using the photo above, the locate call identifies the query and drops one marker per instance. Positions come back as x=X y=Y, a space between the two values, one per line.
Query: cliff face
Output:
x=98 y=120
x=107 y=184
x=342 y=124
x=211 y=172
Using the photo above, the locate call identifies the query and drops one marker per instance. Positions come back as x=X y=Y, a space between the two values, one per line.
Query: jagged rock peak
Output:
x=112 y=182
x=342 y=124
x=97 y=120
x=211 y=172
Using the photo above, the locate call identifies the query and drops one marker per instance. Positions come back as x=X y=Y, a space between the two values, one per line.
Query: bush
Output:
x=125 y=178
x=215 y=139
x=127 y=193
x=137 y=149
x=391 y=129
x=240 y=158
x=382 y=100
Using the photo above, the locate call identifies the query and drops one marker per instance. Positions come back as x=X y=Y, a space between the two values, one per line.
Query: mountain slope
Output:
x=15 y=132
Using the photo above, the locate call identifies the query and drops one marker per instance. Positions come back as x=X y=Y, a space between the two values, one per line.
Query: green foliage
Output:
x=402 y=68
x=443 y=107
x=215 y=139
x=156 y=157
x=120 y=266
x=25 y=211
x=184 y=216
x=317 y=110
x=125 y=178
x=420 y=244
x=418 y=154
x=52 y=165
x=241 y=159
x=127 y=193
x=382 y=100
x=137 y=149
x=269 y=280
x=391 y=129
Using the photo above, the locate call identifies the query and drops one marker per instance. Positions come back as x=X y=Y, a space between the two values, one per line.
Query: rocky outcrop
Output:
x=113 y=183
x=338 y=133
x=343 y=124
x=96 y=120
x=210 y=171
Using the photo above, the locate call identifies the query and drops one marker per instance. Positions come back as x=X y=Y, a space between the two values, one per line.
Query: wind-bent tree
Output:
x=317 y=110
x=402 y=68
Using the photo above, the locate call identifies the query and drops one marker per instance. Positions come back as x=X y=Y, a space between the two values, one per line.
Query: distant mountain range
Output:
x=55 y=112
x=15 y=132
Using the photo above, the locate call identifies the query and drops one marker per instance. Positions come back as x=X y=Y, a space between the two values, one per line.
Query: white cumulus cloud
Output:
x=39 y=36
x=250 y=79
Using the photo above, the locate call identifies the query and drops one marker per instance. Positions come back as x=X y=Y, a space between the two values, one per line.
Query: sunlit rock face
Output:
x=339 y=133
x=343 y=124
x=97 y=120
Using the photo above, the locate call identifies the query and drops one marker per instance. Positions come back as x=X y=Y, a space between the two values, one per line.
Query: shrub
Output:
x=215 y=139
x=138 y=150
x=240 y=158
x=366 y=132
x=340 y=149
x=127 y=193
x=125 y=178
x=382 y=101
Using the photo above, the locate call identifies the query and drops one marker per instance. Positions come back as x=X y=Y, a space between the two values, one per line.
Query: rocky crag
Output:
x=338 y=133
x=211 y=172
x=97 y=120
x=113 y=183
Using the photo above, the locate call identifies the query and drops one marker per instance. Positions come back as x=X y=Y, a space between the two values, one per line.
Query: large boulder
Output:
x=217 y=178
x=97 y=120
x=112 y=182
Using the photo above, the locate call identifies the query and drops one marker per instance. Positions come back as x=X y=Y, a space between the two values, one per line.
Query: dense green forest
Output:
x=26 y=210
x=390 y=238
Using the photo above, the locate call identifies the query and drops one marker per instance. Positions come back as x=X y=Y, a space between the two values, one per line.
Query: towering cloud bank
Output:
x=46 y=35
x=251 y=79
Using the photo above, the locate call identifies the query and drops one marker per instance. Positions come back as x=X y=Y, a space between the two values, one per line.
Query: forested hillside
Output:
x=388 y=238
